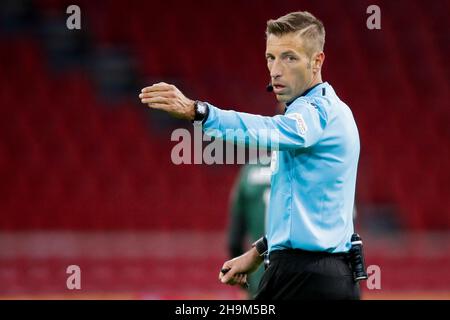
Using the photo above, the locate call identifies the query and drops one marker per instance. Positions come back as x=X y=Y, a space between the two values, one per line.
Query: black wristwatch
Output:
x=261 y=246
x=201 y=110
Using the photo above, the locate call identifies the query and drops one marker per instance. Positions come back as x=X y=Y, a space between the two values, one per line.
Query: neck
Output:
x=315 y=81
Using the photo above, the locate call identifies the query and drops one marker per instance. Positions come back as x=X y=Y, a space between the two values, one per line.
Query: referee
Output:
x=313 y=182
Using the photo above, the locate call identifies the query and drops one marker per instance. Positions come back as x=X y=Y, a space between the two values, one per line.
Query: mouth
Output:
x=277 y=88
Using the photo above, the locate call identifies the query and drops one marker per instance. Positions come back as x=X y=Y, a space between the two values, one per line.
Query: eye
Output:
x=269 y=59
x=291 y=58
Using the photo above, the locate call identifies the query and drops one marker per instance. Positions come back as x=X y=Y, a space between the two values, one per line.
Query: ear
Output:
x=317 y=61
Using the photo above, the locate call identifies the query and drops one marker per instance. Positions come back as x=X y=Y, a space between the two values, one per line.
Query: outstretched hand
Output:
x=167 y=97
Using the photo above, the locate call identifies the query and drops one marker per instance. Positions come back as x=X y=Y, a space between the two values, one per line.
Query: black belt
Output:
x=284 y=253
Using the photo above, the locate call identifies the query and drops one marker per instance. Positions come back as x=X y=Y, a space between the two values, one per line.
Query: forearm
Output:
x=258 y=250
x=251 y=260
x=276 y=133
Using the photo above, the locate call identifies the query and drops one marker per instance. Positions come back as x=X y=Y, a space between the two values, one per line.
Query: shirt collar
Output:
x=303 y=94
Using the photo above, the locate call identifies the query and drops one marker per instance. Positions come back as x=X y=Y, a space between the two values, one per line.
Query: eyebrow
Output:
x=284 y=53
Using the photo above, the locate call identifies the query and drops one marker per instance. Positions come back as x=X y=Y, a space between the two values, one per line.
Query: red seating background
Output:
x=70 y=161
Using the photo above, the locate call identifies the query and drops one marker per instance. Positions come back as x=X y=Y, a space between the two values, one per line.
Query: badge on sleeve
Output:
x=301 y=124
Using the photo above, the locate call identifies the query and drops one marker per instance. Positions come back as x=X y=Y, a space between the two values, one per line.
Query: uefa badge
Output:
x=301 y=124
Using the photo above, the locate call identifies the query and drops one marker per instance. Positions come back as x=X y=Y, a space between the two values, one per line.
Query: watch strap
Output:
x=261 y=246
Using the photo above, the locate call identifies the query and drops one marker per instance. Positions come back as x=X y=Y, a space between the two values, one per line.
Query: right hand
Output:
x=239 y=267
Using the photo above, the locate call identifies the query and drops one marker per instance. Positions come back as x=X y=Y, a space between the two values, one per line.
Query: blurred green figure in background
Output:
x=249 y=203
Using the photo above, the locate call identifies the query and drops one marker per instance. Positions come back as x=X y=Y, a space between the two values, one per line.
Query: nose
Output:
x=276 y=69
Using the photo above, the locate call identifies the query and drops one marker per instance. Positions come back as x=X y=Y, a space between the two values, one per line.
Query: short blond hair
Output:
x=305 y=24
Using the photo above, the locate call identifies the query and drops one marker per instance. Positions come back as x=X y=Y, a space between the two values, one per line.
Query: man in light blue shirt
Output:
x=314 y=167
x=314 y=185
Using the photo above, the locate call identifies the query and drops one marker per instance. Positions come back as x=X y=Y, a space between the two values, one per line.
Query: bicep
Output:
x=306 y=123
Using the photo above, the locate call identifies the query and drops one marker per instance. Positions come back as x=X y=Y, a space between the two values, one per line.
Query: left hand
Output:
x=167 y=97
x=239 y=267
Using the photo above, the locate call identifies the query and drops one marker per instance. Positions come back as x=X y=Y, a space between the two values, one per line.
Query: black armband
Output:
x=261 y=246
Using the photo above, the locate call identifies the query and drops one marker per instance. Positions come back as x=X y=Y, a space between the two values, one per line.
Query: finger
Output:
x=161 y=86
x=152 y=94
x=227 y=277
x=159 y=106
x=243 y=280
x=238 y=278
x=223 y=271
x=235 y=280
x=162 y=100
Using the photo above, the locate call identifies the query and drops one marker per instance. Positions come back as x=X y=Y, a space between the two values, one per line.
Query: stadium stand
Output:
x=71 y=160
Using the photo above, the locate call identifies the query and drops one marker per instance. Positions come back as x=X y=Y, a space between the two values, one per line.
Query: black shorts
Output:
x=304 y=275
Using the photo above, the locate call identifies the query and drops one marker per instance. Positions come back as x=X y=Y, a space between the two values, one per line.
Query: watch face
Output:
x=201 y=108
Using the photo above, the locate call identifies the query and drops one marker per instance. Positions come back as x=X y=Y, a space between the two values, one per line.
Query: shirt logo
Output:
x=301 y=124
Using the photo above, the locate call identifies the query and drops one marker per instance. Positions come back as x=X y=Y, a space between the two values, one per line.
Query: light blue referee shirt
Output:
x=314 y=168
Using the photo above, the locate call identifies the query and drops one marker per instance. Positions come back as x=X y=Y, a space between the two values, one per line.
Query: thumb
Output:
x=228 y=273
x=225 y=268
